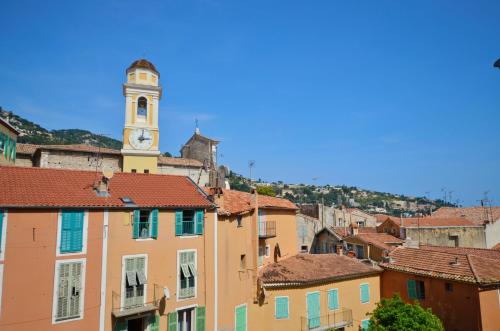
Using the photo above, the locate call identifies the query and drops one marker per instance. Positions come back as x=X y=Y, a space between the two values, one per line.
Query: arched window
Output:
x=142 y=108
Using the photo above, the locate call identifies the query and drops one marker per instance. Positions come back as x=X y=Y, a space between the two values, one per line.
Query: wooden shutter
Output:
x=241 y=318
x=76 y=230
x=66 y=230
x=412 y=289
x=121 y=325
x=129 y=268
x=200 y=318
x=333 y=299
x=75 y=289
x=281 y=307
x=178 y=223
x=365 y=324
x=199 y=221
x=313 y=310
x=154 y=322
x=172 y=321
x=135 y=231
x=154 y=223
x=63 y=291
x=365 y=293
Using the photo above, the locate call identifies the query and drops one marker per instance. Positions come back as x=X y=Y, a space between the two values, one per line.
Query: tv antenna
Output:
x=251 y=164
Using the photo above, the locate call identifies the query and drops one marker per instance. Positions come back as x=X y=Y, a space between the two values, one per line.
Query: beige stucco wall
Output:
x=263 y=317
x=440 y=236
x=161 y=263
x=286 y=233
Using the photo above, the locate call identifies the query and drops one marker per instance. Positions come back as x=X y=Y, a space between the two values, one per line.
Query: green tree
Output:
x=395 y=315
x=266 y=190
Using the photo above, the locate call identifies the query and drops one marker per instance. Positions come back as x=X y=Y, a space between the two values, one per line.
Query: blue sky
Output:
x=397 y=96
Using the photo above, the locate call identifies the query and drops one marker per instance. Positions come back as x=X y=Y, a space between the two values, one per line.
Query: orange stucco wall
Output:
x=29 y=268
x=161 y=263
x=490 y=309
x=286 y=233
x=458 y=310
x=263 y=317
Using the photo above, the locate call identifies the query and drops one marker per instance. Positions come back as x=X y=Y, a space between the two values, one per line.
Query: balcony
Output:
x=267 y=229
x=335 y=320
x=136 y=302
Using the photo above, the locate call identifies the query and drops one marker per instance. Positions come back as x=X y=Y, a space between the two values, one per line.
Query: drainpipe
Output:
x=255 y=235
x=104 y=261
x=216 y=272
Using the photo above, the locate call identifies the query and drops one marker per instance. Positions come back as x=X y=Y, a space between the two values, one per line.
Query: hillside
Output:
x=32 y=133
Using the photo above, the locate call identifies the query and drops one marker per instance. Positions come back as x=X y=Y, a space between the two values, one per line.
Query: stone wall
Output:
x=76 y=160
x=307 y=227
x=201 y=178
x=470 y=236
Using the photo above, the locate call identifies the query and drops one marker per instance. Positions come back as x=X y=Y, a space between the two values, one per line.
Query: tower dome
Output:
x=143 y=64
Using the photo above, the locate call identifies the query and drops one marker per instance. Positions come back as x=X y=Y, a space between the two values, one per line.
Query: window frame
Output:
x=84 y=234
x=83 y=261
x=124 y=278
x=276 y=307
x=179 y=271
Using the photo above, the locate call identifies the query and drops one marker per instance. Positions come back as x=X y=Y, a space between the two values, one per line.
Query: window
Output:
x=454 y=239
x=133 y=171
x=142 y=108
x=416 y=289
x=365 y=324
x=189 y=222
x=187 y=274
x=243 y=262
x=239 y=219
x=134 y=281
x=146 y=171
x=240 y=318
x=281 y=308
x=184 y=320
x=261 y=255
x=145 y=224
x=72 y=230
x=360 y=252
x=304 y=248
x=448 y=287
x=333 y=299
x=268 y=251
x=68 y=290
x=364 y=293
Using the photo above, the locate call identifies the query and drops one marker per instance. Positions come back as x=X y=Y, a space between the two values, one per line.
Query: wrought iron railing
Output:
x=188 y=227
x=267 y=229
x=136 y=299
x=334 y=320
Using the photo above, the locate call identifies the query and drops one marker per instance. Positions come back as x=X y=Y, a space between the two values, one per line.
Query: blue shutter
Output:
x=199 y=222
x=135 y=231
x=6 y=146
x=178 y=223
x=154 y=223
x=76 y=230
x=412 y=289
x=281 y=307
x=365 y=324
x=241 y=318
x=66 y=231
x=365 y=293
x=1 y=228
x=333 y=299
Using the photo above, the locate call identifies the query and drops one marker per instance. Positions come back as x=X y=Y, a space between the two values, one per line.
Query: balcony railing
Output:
x=334 y=320
x=267 y=229
x=136 y=302
x=188 y=227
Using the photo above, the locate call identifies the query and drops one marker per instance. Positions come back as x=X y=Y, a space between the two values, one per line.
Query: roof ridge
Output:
x=472 y=268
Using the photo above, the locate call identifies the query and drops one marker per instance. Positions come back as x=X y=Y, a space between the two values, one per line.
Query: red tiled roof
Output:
x=484 y=252
x=497 y=246
x=179 y=161
x=345 y=232
x=457 y=266
x=313 y=268
x=44 y=187
x=26 y=148
x=31 y=149
x=235 y=202
x=477 y=215
x=381 y=240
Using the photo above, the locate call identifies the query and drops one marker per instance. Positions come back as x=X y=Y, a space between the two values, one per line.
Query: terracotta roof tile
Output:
x=179 y=161
x=484 y=252
x=431 y=221
x=345 y=232
x=457 y=266
x=476 y=214
x=311 y=268
x=28 y=149
x=381 y=240
x=44 y=187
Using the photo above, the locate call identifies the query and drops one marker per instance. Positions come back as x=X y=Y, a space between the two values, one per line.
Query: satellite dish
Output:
x=108 y=173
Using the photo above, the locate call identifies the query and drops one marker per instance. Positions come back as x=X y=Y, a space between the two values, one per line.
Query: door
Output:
x=313 y=310
x=135 y=324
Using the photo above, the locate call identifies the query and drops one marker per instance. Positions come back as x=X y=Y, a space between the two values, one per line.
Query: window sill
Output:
x=144 y=239
x=69 y=319
x=185 y=236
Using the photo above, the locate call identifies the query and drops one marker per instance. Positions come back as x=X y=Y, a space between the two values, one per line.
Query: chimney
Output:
x=455 y=261
x=340 y=250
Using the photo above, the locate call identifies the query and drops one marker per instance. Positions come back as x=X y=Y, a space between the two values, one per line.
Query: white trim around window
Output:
x=124 y=277
x=56 y=287
x=4 y=235
x=84 y=239
x=178 y=275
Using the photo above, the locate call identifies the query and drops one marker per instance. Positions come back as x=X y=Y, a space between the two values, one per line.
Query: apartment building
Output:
x=80 y=251
x=8 y=141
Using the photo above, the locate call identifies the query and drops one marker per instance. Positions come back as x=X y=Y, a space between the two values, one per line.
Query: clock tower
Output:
x=140 y=135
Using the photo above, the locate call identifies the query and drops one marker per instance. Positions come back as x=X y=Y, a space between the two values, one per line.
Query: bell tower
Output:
x=140 y=135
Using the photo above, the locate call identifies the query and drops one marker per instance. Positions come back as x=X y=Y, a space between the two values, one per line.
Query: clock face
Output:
x=141 y=139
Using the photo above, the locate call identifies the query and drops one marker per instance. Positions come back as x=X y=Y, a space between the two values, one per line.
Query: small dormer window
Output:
x=142 y=108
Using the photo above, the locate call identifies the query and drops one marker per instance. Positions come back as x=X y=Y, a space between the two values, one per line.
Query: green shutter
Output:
x=6 y=146
x=66 y=230
x=313 y=310
x=14 y=147
x=412 y=289
x=365 y=293
x=135 y=231
x=241 y=318
x=178 y=223
x=172 y=321
x=121 y=325
x=76 y=230
x=154 y=322
x=154 y=223
x=199 y=222
x=333 y=299
x=1 y=228
x=281 y=307
x=365 y=324
x=200 y=319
